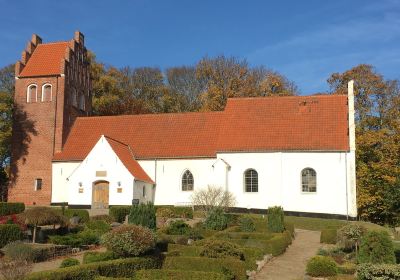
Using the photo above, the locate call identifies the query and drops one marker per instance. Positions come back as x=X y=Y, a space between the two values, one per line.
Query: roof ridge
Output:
x=286 y=96
x=53 y=43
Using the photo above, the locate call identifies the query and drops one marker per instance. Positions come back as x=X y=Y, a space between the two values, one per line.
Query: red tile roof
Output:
x=298 y=123
x=125 y=155
x=45 y=60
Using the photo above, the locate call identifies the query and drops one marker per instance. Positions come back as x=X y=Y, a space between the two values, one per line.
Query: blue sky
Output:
x=305 y=40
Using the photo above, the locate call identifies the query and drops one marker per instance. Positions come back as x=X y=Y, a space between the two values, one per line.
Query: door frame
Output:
x=93 y=191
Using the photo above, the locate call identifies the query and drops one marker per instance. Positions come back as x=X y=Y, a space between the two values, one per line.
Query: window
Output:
x=31 y=95
x=74 y=98
x=82 y=102
x=144 y=191
x=38 y=184
x=308 y=180
x=46 y=93
x=187 y=181
x=251 y=180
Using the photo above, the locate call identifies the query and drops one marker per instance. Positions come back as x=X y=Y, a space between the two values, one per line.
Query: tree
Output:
x=377 y=105
x=41 y=216
x=213 y=197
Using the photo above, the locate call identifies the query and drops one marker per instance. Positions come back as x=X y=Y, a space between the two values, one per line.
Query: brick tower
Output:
x=52 y=88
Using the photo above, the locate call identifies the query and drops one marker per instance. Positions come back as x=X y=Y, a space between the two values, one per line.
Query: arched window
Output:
x=81 y=101
x=46 y=93
x=308 y=180
x=31 y=95
x=74 y=97
x=187 y=181
x=250 y=180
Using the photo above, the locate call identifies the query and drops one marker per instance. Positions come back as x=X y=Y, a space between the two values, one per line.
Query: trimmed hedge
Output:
x=115 y=268
x=328 y=236
x=118 y=213
x=69 y=262
x=83 y=214
x=175 y=211
x=244 y=235
x=9 y=233
x=166 y=274
x=321 y=266
x=91 y=257
x=236 y=267
x=378 y=271
x=9 y=208
x=290 y=228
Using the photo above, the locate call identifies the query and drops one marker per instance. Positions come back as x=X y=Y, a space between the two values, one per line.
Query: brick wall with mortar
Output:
x=41 y=128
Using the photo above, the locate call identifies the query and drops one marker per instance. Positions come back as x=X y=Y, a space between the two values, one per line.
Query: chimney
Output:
x=352 y=126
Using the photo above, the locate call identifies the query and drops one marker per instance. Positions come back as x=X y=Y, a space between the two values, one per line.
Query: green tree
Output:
x=377 y=104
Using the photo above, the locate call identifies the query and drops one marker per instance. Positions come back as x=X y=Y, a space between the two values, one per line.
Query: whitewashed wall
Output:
x=101 y=158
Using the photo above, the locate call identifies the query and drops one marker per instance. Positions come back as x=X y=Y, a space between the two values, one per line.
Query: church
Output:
x=297 y=152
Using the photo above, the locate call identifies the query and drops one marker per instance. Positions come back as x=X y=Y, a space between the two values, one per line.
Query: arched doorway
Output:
x=100 y=195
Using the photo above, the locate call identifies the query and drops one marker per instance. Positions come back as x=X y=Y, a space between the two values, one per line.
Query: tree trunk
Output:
x=34 y=234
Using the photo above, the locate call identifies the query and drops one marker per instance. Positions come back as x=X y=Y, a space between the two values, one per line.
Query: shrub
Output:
x=178 y=227
x=233 y=218
x=9 y=233
x=277 y=245
x=246 y=224
x=118 y=213
x=349 y=236
x=19 y=251
x=106 y=218
x=221 y=249
x=347 y=268
x=8 y=208
x=328 y=236
x=81 y=213
x=69 y=262
x=227 y=265
x=290 y=228
x=275 y=219
x=212 y=197
x=99 y=226
x=144 y=215
x=85 y=237
x=114 y=268
x=216 y=219
x=320 y=266
x=165 y=274
x=165 y=212
x=129 y=240
x=14 y=270
x=376 y=247
x=91 y=257
x=378 y=271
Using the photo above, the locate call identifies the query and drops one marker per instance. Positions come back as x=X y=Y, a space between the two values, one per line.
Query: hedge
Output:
x=114 y=268
x=9 y=208
x=91 y=257
x=378 y=271
x=166 y=274
x=118 y=213
x=243 y=235
x=9 y=233
x=83 y=214
x=328 y=236
x=177 y=211
x=236 y=267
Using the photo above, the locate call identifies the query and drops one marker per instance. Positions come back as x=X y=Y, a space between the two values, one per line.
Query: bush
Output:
x=19 y=251
x=114 y=268
x=216 y=219
x=376 y=247
x=165 y=274
x=9 y=208
x=143 y=215
x=347 y=268
x=85 y=237
x=276 y=219
x=69 y=262
x=233 y=219
x=228 y=265
x=246 y=224
x=378 y=271
x=349 y=236
x=91 y=257
x=221 y=249
x=169 y=211
x=99 y=226
x=290 y=228
x=129 y=240
x=320 y=266
x=328 y=236
x=9 y=233
x=118 y=213
x=178 y=228
x=14 y=270
x=106 y=218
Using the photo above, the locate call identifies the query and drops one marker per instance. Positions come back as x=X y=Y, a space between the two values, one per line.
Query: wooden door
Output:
x=100 y=195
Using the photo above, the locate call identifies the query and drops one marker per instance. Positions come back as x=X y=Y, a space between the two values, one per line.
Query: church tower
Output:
x=52 y=89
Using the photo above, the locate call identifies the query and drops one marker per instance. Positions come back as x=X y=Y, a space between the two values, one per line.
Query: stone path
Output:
x=292 y=264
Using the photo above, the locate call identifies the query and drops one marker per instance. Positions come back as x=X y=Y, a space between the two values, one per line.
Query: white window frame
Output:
x=28 y=92
x=244 y=181
x=51 y=92
x=301 y=181
x=36 y=184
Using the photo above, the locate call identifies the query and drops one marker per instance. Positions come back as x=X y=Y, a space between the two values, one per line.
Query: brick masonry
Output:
x=41 y=128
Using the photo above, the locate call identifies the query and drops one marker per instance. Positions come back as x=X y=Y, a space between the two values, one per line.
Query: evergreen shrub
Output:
x=376 y=247
x=144 y=215
x=275 y=220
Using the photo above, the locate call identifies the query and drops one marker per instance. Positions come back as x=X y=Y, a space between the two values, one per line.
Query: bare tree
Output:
x=213 y=197
x=14 y=269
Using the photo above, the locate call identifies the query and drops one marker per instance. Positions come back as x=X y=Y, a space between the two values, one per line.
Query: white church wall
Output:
x=60 y=172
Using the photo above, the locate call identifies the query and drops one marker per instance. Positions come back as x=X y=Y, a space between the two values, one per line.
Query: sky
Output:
x=305 y=40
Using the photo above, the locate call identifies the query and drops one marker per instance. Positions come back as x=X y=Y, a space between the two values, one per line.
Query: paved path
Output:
x=292 y=264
